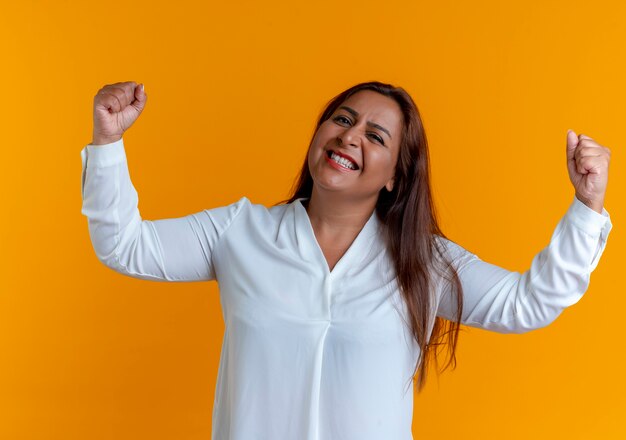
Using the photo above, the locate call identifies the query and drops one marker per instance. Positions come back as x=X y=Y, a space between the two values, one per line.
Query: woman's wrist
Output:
x=102 y=140
x=596 y=205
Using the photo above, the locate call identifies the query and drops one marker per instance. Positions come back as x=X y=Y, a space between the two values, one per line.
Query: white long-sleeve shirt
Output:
x=309 y=353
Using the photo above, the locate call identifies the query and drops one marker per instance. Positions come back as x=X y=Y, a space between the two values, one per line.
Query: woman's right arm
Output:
x=176 y=249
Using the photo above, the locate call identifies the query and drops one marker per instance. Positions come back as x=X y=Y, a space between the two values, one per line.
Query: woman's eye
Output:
x=342 y=118
x=378 y=138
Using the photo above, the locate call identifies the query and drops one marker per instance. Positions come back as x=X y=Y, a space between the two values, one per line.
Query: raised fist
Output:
x=588 y=169
x=115 y=109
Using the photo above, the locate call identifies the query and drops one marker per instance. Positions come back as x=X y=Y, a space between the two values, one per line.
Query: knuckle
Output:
x=101 y=96
x=106 y=94
x=119 y=94
x=116 y=89
x=110 y=99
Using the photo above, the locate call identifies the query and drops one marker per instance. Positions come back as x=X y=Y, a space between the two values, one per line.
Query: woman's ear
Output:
x=389 y=185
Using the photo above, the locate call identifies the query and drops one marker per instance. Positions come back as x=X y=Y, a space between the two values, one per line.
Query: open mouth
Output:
x=341 y=160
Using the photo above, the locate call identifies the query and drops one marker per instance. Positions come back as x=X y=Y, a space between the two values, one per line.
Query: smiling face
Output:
x=355 y=150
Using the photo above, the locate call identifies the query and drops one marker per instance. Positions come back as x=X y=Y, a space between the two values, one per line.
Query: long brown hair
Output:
x=410 y=225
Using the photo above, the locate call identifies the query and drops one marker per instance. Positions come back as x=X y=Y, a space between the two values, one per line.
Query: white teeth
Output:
x=343 y=161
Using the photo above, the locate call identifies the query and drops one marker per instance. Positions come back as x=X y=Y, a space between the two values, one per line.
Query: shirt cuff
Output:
x=104 y=155
x=590 y=221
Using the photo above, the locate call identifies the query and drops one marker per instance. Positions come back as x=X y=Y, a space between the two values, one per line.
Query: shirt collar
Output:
x=309 y=247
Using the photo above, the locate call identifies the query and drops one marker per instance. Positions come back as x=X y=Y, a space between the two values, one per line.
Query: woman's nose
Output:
x=350 y=136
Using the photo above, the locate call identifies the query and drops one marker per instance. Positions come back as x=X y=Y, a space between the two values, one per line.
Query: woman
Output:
x=334 y=298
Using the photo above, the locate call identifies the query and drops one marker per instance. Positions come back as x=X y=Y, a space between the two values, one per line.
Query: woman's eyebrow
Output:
x=370 y=123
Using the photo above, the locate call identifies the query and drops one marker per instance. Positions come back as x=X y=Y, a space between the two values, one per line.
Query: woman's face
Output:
x=355 y=150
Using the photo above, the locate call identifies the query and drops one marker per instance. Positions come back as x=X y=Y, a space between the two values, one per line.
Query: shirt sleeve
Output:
x=509 y=302
x=175 y=249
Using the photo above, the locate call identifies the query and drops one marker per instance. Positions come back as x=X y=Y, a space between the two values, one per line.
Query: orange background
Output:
x=233 y=93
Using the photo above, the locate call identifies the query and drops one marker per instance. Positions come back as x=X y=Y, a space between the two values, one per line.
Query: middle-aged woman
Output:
x=336 y=297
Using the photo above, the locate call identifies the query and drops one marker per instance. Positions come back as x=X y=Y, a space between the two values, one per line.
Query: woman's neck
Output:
x=333 y=214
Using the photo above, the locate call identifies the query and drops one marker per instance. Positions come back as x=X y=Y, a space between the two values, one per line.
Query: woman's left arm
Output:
x=509 y=302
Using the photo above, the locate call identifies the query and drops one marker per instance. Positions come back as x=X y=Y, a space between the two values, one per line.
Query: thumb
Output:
x=572 y=143
x=140 y=98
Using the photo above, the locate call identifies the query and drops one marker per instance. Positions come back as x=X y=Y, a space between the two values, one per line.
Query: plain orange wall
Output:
x=86 y=353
